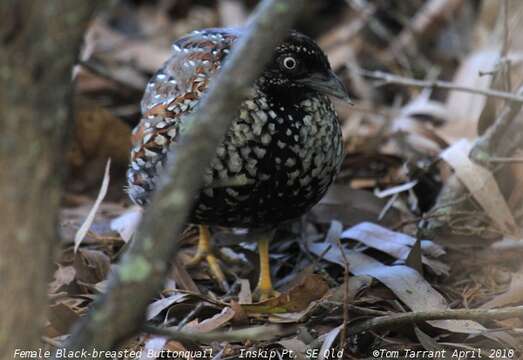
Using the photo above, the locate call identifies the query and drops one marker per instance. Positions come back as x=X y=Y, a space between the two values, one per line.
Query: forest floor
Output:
x=412 y=224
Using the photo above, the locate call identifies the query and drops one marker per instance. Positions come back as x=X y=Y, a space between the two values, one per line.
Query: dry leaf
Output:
x=326 y=346
x=158 y=306
x=513 y=296
x=408 y=285
x=465 y=108
x=296 y=348
x=62 y=277
x=126 y=224
x=212 y=323
x=351 y=207
x=91 y=266
x=62 y=317
x=412 y=121
x=245 y=295
x=394 y=243
x=311 y=288
x=154 y=344
x=482 y=185
x=80 y=235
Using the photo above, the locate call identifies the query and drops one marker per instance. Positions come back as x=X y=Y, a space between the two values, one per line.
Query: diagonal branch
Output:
x=120 y=312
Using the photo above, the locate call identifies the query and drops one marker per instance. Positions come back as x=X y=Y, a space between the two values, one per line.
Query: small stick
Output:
x=391 y=321
x=506 y=160
x=388 y=78
x=345 y=296
x=189 y=316
x=253 y=333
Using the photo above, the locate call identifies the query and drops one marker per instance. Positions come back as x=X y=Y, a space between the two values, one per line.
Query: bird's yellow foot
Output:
x=264 y=290
x=206 y=252
x=261 y=294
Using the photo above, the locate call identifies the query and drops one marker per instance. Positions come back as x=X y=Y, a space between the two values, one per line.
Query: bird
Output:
x=278 y=158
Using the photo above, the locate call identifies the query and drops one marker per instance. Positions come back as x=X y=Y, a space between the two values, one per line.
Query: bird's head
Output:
x=300 y=65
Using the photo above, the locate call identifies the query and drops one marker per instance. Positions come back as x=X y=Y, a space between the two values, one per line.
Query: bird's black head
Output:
x=300 y=67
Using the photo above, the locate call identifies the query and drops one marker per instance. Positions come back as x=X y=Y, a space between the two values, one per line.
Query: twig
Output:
x=505 y=46
x=189 y=316
x=345 y=296
x=390 y=321
x=54 y=343
x=388 y=78
x=500 y=140
x=423 y=22
x=252 y=333
x=494 y=142
x=99 y=70
x=506 y=160
x=119 y=313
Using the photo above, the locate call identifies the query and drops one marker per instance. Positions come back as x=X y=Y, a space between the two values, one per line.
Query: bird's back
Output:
x=171 y=94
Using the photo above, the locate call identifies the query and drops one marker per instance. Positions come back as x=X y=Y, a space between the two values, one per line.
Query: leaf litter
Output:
x=395 y=138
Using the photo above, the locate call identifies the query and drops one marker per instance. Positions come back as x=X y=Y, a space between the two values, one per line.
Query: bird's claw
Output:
x=261 y=294
x=205 y=252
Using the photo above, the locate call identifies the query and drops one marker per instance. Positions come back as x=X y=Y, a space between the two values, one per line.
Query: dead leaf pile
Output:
x=368 y=248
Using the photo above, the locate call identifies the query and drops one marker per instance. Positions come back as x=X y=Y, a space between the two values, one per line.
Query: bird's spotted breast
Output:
x=275 y=163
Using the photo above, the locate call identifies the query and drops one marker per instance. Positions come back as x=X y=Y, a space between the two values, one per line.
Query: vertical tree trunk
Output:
x=38 y=45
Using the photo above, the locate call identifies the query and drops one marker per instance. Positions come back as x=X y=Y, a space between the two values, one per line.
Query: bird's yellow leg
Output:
x=205 y=251
x=264 y=289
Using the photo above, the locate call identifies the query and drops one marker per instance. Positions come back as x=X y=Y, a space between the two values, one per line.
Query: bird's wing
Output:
x=173 y=92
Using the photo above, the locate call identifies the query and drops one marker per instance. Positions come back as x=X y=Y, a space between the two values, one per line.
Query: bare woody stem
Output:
x=253 y=333
x=120 y=312
x=39 y=42
x=388 y=78
x=390 y=321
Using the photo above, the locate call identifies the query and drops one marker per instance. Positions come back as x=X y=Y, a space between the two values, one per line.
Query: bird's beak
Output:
x=327 y=84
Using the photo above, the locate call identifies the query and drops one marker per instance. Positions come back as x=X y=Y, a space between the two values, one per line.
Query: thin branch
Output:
x=506 y=160
x=388 y=78
x=391 y=321
x=119 y=313
x=433 y=13
x=253 y=333
x=505 y=46
x=345 y=296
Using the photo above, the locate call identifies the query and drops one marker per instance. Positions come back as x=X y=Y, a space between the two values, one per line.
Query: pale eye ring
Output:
x=289 y=63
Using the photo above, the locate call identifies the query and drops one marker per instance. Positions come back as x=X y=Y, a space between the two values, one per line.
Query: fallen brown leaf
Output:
x=298 y=298
x=91 y=266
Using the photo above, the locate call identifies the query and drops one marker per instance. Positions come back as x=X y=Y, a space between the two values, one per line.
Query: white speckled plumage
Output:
x=286 y=152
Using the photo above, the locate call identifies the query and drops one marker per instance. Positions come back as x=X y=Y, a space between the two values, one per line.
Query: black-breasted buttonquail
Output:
x=281 y=153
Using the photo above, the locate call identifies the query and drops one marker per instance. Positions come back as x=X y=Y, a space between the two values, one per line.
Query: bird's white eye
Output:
x=289 y=62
